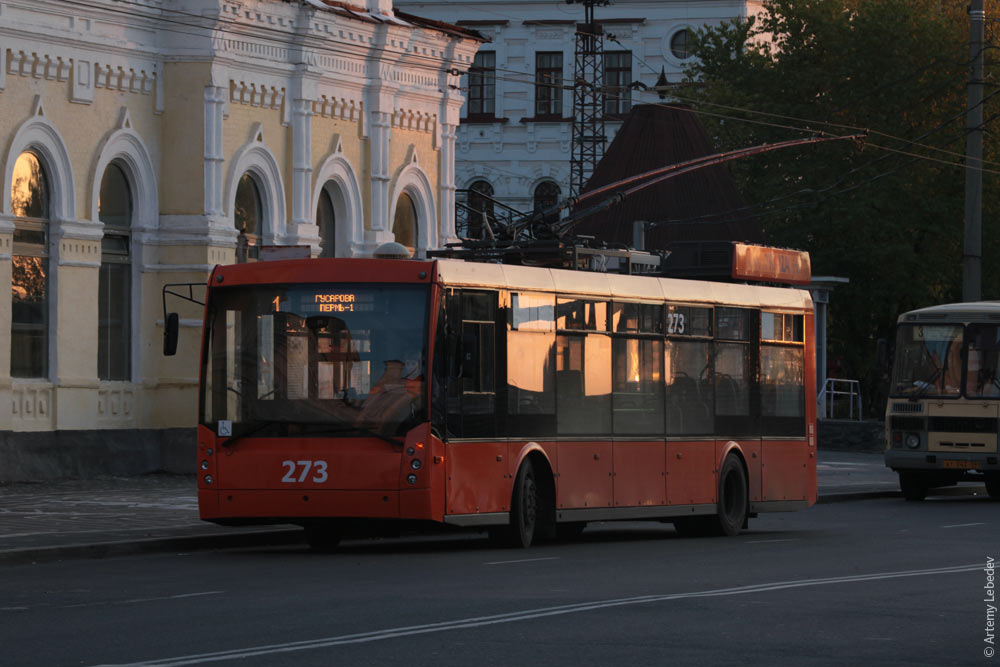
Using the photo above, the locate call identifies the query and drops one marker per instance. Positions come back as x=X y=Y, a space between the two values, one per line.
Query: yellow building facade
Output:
x=145 y=142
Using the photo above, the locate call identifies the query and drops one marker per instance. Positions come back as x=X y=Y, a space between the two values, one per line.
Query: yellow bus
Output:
x=943 y=413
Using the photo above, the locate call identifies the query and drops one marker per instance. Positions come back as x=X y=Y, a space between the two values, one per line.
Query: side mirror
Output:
x=171 y=328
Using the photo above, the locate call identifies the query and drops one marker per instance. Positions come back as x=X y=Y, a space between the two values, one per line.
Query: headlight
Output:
x=912 y=440
x=204 y=465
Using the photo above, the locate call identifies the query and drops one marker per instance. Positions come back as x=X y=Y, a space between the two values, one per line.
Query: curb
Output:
x=152 y=545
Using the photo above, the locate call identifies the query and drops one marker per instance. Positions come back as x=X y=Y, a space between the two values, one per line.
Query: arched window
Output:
x=114 y=306
x=404 y=223
x=248 y=215
x=546 y=196
x=481 y=202
x=29 y=339
x=326 y=220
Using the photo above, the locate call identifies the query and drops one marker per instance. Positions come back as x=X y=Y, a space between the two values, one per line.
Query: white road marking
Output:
x=964 y=525
x=786 y=539
x=138 y=600
x=520 y=560
x=528 y=614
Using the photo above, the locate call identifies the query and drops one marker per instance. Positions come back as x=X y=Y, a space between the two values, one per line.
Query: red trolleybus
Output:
x=344 y=393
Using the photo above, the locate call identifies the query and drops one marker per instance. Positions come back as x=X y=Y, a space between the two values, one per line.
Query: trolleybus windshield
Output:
x=316 y=359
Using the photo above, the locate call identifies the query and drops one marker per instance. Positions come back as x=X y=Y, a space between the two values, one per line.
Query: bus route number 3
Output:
x=298 y=471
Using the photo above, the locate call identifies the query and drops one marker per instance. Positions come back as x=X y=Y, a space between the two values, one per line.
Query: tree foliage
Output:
x=888 y=215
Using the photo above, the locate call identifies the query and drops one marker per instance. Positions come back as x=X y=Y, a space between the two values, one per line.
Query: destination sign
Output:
x=338 y=302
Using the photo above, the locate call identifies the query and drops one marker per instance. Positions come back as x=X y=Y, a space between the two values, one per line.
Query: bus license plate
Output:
x=959 y=464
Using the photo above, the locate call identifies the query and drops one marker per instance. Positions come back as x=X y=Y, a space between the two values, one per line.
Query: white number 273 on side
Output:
x=299 y=471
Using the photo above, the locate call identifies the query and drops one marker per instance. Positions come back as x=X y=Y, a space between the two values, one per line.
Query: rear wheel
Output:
x=733 y=505
x=524 y=508
x=913 y=485
x=993 y=485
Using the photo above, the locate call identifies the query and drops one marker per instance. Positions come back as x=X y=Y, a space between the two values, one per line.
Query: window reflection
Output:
x=638 y=395
x=29 y=197
x=29 y=269
x=29 y=317
x=583 y=384
x=531 y=403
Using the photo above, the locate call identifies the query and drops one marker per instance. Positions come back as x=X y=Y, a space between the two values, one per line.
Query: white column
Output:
x=302 y=230
x=446 y=187
x=215 y=99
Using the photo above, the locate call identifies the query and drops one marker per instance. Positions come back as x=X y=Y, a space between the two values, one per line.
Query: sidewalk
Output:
x=160 y=512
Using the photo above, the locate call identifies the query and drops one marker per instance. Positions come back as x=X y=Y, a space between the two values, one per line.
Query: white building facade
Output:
x=147 y=141
x=515 y=138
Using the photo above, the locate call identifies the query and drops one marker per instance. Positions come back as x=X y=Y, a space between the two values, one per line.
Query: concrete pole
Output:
x=972 y=250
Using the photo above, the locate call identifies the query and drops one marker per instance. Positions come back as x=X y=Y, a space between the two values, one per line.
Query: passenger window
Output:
x=638 y=386
x=532 y=312
x=583 y=384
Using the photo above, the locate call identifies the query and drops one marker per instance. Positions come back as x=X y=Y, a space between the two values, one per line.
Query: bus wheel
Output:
x=322 y=536
x=993 y=485
x=523 y=512
x=913 y=485
x=733 y=505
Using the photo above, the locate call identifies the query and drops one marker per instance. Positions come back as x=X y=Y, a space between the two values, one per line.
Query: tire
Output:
x=993 y=485
x=733 y=505
x=524 y=506
x=913 y=486
x=322 y=536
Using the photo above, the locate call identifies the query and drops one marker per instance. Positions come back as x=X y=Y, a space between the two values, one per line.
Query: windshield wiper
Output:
x=340 y=430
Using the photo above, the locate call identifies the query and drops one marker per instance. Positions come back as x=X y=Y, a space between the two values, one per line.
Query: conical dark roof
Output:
x=698 y=206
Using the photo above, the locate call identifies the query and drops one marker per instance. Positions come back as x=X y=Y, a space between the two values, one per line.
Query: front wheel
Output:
x=523 y=512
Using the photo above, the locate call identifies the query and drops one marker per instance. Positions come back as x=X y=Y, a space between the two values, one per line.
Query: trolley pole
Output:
x=972 y=248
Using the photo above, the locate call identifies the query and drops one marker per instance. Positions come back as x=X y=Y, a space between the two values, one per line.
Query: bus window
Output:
x=732 y=372
x=348 y=356
x=928 y=360
x=782 y=374
x=532 y=312
x=530 y=384
x=583 y=384
x=982 y=378
x=581 y=315
x=636 y=318
x=471 y=402
x=689 y=388
x=638 y=386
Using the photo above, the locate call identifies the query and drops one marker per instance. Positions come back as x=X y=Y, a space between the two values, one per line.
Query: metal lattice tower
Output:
x=588 y=100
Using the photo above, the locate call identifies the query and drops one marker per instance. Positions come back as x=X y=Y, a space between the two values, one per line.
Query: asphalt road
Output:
x=869 y=582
